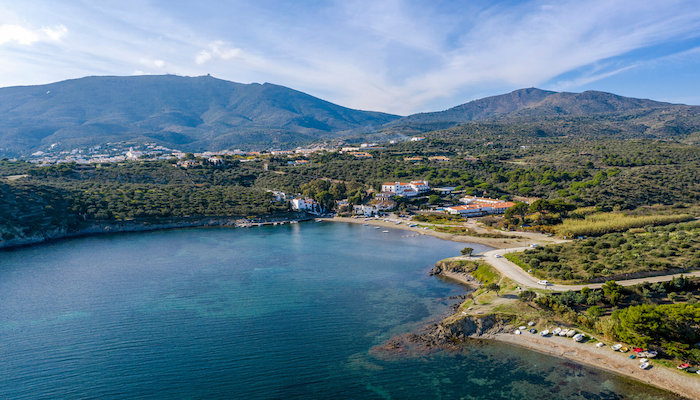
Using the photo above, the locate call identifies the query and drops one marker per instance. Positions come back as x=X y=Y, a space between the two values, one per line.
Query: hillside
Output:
x=189 y=113
x=565 y=113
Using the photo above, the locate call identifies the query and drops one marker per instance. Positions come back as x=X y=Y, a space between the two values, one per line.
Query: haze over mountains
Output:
x=205 y=113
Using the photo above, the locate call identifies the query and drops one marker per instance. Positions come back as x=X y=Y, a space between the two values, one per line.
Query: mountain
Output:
x=189 y=113
x=619 y=114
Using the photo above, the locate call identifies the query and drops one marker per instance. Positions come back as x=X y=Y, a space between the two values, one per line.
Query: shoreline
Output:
x=112 y=227
x=495 y=243
x=606 y=359
x=602 y=358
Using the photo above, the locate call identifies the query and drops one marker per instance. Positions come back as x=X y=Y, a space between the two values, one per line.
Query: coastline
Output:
x=496 y=243
x=111 y=227
x=604 y=358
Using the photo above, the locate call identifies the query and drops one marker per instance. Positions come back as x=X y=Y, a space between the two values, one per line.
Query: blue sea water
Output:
x=284 y=312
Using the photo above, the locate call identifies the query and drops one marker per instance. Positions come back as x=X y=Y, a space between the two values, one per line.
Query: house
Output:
x=188 y=163
x=406 y=189
x=445 y=190
x=306 y=204
x=384 y=196
x=480 y=206
x=277 y=195
x=417 y=138
x=216 y=160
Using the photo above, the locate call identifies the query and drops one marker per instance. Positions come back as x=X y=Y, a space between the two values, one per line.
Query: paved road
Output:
x=524 y=279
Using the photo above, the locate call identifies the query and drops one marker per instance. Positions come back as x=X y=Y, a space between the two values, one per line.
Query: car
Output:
x=498 y=256
x=543 y=282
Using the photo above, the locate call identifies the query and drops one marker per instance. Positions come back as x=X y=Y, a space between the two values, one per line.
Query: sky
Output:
x=397 y=56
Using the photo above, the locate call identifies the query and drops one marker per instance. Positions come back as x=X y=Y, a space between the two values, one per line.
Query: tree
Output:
x=518 y=209
x=467 y=251
x=493 y=287
x=612 y=292
x=527 y=295
x=433 y=199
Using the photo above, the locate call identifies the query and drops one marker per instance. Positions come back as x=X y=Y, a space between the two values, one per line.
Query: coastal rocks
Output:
x=453 y=266
x=445 y=335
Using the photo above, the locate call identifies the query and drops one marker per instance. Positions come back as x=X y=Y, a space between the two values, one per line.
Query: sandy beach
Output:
x=683 y=383
x=496 y=243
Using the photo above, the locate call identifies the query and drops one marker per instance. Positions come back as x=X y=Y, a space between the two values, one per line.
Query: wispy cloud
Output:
x=399 y=56
x=18 y=34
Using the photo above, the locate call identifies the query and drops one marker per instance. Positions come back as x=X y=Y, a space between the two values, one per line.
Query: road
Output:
x=526 y=280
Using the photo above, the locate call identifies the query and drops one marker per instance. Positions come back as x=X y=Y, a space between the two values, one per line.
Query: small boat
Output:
x=571 y=333
x=579 y=337
x=517 y=332
x=533 y=331
x=385 y=231
x=616 y=347
x=563 y=332
x=531 y=323
x=600 y=344
x=644 y=365
x=376 y=227
x=683 y=366
x=651 y=353
x=544 y=332
x=556 y=331
x=365 y=224
x=643 y=360
x=522 y=327
x=624 y=349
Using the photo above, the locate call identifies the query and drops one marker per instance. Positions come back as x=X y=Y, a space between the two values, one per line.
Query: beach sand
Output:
x=496 y=243
x=683 y=383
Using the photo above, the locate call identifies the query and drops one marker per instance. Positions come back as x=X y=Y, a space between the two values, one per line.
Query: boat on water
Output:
x=556 y=331
x=644 y=365
x=544 y=332
x=616 y=347
x=579 y=337
x=385 y=231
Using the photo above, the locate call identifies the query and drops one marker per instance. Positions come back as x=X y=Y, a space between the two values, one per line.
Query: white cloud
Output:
x=218 y=50
x=12 y=33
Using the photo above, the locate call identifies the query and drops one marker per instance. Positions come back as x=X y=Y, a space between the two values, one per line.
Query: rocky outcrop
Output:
x=445 y=335
x=453 y=265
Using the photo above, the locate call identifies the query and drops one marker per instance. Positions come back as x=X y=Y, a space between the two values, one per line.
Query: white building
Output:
x=406 y=189
x=306 y=204
x=367 y=211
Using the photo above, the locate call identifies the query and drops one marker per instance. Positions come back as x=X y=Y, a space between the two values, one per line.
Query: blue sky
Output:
x=394 y=56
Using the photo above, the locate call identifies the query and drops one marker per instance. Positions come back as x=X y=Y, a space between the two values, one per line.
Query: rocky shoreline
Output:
x=109 y=227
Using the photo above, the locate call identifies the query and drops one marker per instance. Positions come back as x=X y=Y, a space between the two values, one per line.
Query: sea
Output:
x=276 y=312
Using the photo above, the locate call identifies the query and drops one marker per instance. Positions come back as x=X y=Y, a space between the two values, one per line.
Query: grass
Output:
x=486 y=274
x=602 y=223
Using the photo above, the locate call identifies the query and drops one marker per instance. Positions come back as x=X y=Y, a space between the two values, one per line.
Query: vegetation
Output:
x=602 y=223
x=616 y=255
x=663 y=316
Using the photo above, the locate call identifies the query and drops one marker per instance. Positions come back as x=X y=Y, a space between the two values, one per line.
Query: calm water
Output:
x=275 y=312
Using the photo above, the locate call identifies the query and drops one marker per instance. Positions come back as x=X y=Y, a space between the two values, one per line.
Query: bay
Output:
x=283 y=312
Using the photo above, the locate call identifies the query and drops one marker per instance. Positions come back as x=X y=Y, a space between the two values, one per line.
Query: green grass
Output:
x=486 y=274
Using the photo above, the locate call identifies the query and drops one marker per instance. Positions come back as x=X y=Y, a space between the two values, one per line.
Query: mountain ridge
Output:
x=207 y=113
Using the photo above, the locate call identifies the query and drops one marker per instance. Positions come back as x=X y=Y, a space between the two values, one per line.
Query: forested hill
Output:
x=558 y=111
x=189 y=113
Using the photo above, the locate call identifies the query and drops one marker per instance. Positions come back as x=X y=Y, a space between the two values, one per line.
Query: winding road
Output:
x=504 y=266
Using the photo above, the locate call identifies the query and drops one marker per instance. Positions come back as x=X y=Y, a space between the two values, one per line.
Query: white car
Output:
x=543 y=282
x=498 y=256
